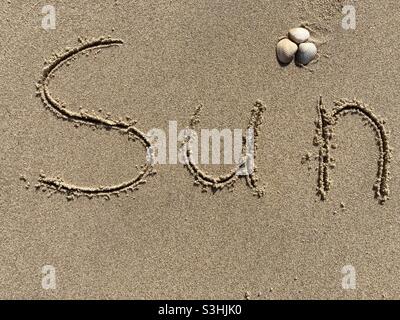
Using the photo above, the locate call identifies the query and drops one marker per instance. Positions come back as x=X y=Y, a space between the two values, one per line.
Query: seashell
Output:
x=299 y=35
x=286 y=50
x=306 y=53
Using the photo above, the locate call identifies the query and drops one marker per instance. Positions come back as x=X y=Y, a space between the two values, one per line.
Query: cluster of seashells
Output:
x=296 y=46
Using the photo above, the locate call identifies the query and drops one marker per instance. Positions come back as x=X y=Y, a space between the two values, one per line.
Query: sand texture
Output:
x=78 y=192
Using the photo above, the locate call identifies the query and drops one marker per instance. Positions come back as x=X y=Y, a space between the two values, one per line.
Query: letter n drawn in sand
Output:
x=85 y=118
x=245 y=168
x=325 y=124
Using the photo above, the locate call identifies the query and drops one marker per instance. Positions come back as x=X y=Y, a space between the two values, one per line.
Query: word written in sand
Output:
x=246 y=168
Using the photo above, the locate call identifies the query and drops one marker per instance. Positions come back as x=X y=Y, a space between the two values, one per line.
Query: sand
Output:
x=76 y=192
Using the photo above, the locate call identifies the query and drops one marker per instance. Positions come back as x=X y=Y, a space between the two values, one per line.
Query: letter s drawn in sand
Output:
x=61 y=111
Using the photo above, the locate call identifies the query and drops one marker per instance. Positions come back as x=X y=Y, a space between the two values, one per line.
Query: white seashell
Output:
x=299 y=35
x=306 y=53
x=286 y=50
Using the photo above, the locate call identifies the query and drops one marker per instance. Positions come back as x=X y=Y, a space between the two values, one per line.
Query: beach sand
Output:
x=168 y=239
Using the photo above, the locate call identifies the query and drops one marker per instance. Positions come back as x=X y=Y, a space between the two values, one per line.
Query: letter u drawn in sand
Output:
x=85 y=118
x=325 y=124
x=245 y=168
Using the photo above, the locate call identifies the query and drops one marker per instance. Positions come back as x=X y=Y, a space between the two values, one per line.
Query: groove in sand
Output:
x=82 y=117
x=227 y=181
x=325 y=125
